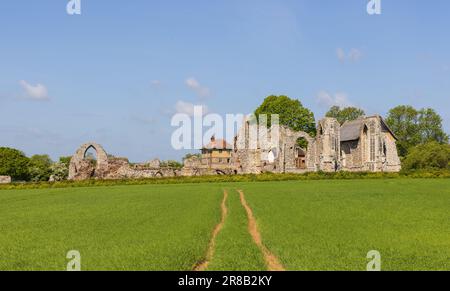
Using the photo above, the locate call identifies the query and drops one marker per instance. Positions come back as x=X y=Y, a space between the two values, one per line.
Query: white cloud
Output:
x=189 y=108
x=340 y=54
x=155 y=83
x=353 y=55
x=338 y=99
x=37 y=92
x=200 y=90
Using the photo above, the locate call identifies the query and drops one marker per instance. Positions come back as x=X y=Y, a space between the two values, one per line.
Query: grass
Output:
x=235 y=249
x=308 y=225
x=332 y=225
x=120 y=228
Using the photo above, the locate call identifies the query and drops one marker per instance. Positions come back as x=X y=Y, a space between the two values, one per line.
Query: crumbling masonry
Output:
x=366 y=144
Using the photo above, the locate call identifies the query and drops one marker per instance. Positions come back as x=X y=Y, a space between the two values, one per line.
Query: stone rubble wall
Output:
x=323 y=153
x=5 y=179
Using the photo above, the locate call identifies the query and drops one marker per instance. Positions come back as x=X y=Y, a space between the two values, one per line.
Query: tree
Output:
x=65 y=160
x=40 y=168
x=14 y=163
x=404 y=122
x=291 y=113
x=414 y=127
x=430 y=124
x=432 y=155
x=345 y=114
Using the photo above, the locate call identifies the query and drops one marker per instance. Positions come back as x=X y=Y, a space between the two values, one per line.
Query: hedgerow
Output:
x=265 y=177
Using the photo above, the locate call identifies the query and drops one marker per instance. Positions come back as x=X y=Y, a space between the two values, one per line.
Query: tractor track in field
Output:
x=203 y=265
x=272 y=262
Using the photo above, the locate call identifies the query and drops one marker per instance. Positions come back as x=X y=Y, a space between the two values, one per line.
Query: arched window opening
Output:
x=91 y=156
x=300 y=152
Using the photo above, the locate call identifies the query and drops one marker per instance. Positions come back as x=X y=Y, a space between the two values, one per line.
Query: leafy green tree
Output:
x=40 y=168
x=414 y=127
x=430 y=125
x=432 y=155
x=14 y=163
x=345 y=114
x=65 y=160
x=404 y=122
x=291 y=113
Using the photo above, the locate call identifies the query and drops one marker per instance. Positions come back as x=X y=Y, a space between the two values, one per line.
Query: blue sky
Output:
x=117 y=73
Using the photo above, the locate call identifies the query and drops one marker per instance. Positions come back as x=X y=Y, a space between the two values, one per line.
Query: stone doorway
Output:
x=300 y=158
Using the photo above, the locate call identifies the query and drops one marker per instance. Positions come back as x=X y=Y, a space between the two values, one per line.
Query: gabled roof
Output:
x=388 y=128
x=218 y=144
x=351 y=130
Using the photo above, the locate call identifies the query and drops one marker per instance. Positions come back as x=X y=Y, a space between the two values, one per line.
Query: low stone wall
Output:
x=5 y=179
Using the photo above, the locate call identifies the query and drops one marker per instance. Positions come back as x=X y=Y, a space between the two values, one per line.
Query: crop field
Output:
x=289 y=225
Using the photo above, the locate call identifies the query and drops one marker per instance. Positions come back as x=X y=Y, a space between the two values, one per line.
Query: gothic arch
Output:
x=295 y=157
x=78 y=159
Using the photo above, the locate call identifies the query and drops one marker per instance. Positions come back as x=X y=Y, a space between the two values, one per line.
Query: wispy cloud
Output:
x=353 y=55
x=341 y=54
x=155 y=83
x=189 y=108
x=326 y=99
x=37 y=92
x=201 y=91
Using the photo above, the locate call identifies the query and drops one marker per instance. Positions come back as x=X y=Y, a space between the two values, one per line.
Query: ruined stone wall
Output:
x=351 y=155
x=393 y=163
x=375 y=151
x=81 y=169
x=288 y=146
x=272 y=151
x=328 y=145
x=108 y=167
x=5 y=179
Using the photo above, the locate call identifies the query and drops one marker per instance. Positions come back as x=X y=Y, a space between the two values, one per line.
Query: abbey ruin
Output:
x=363 y=145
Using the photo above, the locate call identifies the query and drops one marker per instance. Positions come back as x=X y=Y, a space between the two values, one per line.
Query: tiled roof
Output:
x=218 y=144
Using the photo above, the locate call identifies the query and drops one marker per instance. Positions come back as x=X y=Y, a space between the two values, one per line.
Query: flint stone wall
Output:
x=5 y=179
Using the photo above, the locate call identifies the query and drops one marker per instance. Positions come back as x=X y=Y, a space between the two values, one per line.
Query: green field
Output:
x=307 y=225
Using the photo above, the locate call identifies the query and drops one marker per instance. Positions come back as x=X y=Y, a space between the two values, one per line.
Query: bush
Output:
x=14 y=163
x=40 y=168
x=429 y=156
x=266 y=177
x=60 y=171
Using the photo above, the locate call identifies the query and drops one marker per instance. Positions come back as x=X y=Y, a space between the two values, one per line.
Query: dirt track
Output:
x=203 y=265
x=272 y=262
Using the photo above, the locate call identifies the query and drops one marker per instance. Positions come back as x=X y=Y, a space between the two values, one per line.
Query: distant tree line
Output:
x=36 y=168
